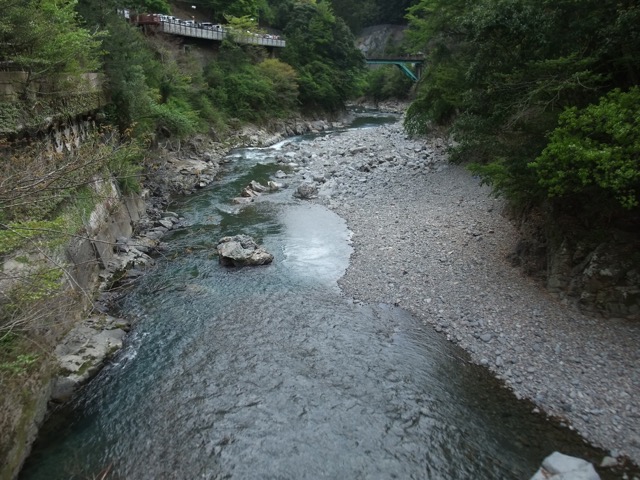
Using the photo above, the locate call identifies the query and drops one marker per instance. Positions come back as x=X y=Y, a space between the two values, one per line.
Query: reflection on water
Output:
x=271 y=372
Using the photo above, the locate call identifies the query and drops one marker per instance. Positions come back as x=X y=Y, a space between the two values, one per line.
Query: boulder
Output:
x=256 y=186
x=241 y=200
x=84 y=350
x=306 y=191
x=558 y=466
x=242 y=250
x=275 y=186
x=254 y=189
x=248 y=193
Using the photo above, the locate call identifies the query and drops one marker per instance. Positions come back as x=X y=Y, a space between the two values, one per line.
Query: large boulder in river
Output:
x=242 y=250
x=558 y=466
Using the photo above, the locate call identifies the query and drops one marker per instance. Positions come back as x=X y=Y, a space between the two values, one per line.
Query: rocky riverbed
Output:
x=429 y=238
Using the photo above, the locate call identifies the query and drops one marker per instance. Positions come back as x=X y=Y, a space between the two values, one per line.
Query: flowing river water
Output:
x=272 y=373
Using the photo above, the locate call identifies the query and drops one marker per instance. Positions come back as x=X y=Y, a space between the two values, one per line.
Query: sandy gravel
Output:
x=430 y=238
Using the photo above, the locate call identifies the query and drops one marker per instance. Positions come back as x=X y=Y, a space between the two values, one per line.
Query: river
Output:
x=272 y=373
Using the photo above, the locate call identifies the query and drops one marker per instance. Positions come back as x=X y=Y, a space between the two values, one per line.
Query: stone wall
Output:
x=27 y=107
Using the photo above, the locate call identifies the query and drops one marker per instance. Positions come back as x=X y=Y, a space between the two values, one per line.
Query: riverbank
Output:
x=429 y=238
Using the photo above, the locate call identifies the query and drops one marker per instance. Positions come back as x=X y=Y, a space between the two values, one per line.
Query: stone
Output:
x=242 y=250
x=274 y=186
x=84 y=350
x=356 y=150
x=558 y=466
x=168 y=224
x=63 y=389
x=257 y=187
x=248 y=193
x=609 y=462
x=242 y=200
x=306 y=191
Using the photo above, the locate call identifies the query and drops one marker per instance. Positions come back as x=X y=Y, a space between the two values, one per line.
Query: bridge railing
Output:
x=212 y=33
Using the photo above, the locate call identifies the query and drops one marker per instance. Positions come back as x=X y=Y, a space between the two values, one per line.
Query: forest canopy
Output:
x=540 y=95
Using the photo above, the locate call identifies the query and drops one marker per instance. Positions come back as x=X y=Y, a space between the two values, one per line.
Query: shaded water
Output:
x=272 y=373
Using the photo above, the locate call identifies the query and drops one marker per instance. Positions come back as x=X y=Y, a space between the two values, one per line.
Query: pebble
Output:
x=427 y=215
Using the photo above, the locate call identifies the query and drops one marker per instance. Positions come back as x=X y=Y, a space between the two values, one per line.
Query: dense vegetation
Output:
x=540 y=95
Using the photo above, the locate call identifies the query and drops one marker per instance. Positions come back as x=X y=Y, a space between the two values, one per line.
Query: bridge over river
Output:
x=410 y=66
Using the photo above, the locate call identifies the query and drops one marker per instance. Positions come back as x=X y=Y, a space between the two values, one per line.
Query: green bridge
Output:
x=403 y=63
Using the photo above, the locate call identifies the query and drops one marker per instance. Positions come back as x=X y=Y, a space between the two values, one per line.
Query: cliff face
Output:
x=598 y=271
x=380 y=40
x=25 y=395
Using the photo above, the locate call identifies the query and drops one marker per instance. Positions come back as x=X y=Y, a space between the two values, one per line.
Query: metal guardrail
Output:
x=219 y=34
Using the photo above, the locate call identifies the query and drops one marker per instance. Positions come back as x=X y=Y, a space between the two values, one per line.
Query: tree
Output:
x=53 y=45
x=595 y=152
x=238 y=8
x=321 y=47
x=500 y=73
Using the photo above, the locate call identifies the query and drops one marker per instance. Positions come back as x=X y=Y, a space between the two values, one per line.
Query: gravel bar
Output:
x=432 y=240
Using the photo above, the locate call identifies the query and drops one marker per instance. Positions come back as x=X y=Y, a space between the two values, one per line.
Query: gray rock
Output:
x=84 y=350
x=241 y=200
x=558 y=466
x=257 y=186
x=609 y=462
x=306 y=191
x=63 y=389
x=166 y=223
x=242 y=250
x=275 y=186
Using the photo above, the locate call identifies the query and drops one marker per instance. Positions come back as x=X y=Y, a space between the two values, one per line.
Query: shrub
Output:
x=595 y=151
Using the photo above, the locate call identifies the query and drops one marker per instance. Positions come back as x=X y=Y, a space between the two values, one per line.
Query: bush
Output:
x=387 y=82
x=595 y=152
x=284 y=81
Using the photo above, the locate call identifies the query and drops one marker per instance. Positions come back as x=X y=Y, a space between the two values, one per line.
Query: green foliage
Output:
x=53 y=43
x=596 y=151
x=177 y=116
x=237 y=8
x=387 y=82
x=16 y=234
x=125 y=165
x=284 y=86
x=20 y=365
x=248 y=90
x=500 y=73
x=146 y=6
x=321 y=48
x=36 y=286
x=241 y=25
